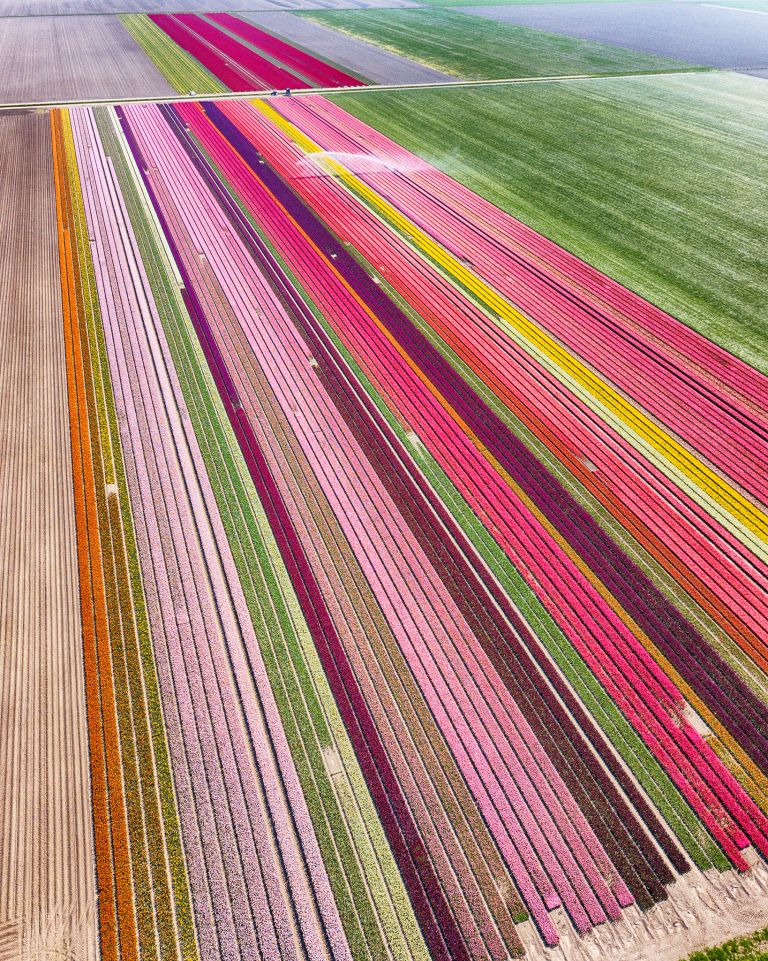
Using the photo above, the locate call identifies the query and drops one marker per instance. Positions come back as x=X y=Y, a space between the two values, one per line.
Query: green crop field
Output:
x=477 y=49
x=658 y=181
x=754 y=947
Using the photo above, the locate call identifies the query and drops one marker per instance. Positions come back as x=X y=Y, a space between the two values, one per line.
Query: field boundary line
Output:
x=327 y=91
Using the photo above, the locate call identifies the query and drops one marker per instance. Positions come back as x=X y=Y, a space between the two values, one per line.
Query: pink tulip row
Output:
x=638 y=684
x=254 y=866
x=494 y=746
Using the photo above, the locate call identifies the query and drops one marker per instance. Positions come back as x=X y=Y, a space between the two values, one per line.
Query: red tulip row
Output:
x=239 y=65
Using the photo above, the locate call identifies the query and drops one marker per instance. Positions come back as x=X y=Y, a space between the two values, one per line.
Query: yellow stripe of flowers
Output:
x=711 y=491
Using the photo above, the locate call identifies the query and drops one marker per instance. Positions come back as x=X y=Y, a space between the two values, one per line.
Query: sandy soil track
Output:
x=47 y=888
x=45 y=58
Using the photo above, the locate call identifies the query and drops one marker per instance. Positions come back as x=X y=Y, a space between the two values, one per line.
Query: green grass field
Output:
x=658 y=181
x=752 y=948
x=476 y=49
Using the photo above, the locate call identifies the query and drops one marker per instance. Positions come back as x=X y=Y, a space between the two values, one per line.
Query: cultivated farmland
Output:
x=564 y=767
x=630 y=175
x=479 y=50
x=383 y=515
x=93 y=58
x=223 y=52
x=47 y=887
x=703 y=33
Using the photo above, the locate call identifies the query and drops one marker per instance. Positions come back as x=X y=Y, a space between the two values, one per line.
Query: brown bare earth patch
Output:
x=77 y=58
x=703 y=909
x=40 y=8
x=47 y=888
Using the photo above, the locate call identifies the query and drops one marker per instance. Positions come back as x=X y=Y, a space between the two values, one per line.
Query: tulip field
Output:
x=220 y=51
x=648 y=205
x=422 y=567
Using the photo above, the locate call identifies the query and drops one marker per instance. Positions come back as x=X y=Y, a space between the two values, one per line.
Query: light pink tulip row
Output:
x=254 y=866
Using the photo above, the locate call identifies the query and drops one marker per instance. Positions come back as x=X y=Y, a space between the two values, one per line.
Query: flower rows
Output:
x=432 y=556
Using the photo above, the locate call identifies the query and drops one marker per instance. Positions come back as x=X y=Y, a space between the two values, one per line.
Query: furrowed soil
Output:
x=77 y=58
x=47 y=886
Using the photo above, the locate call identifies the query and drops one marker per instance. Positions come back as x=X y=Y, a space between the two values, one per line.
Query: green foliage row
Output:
x=753 y=947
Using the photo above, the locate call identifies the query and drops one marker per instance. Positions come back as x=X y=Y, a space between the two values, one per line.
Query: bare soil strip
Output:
x=703 y=909
x=47 y=887
x=45 y=58
x=59 y=8
x=366 y=59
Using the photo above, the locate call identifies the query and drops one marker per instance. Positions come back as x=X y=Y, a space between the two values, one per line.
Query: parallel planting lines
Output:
x=219 y=51
x=422 y=566
x=47 y=891
x=137 y=834
x=80 y=58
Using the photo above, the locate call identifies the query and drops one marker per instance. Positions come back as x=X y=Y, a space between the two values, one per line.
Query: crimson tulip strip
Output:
x=262 y=62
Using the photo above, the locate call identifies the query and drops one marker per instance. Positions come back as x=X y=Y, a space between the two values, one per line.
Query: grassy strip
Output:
x=182 y=71
x=152 y=816
x=478 y=49
x=656 y=181
x=753 y=947
x=360 y=865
